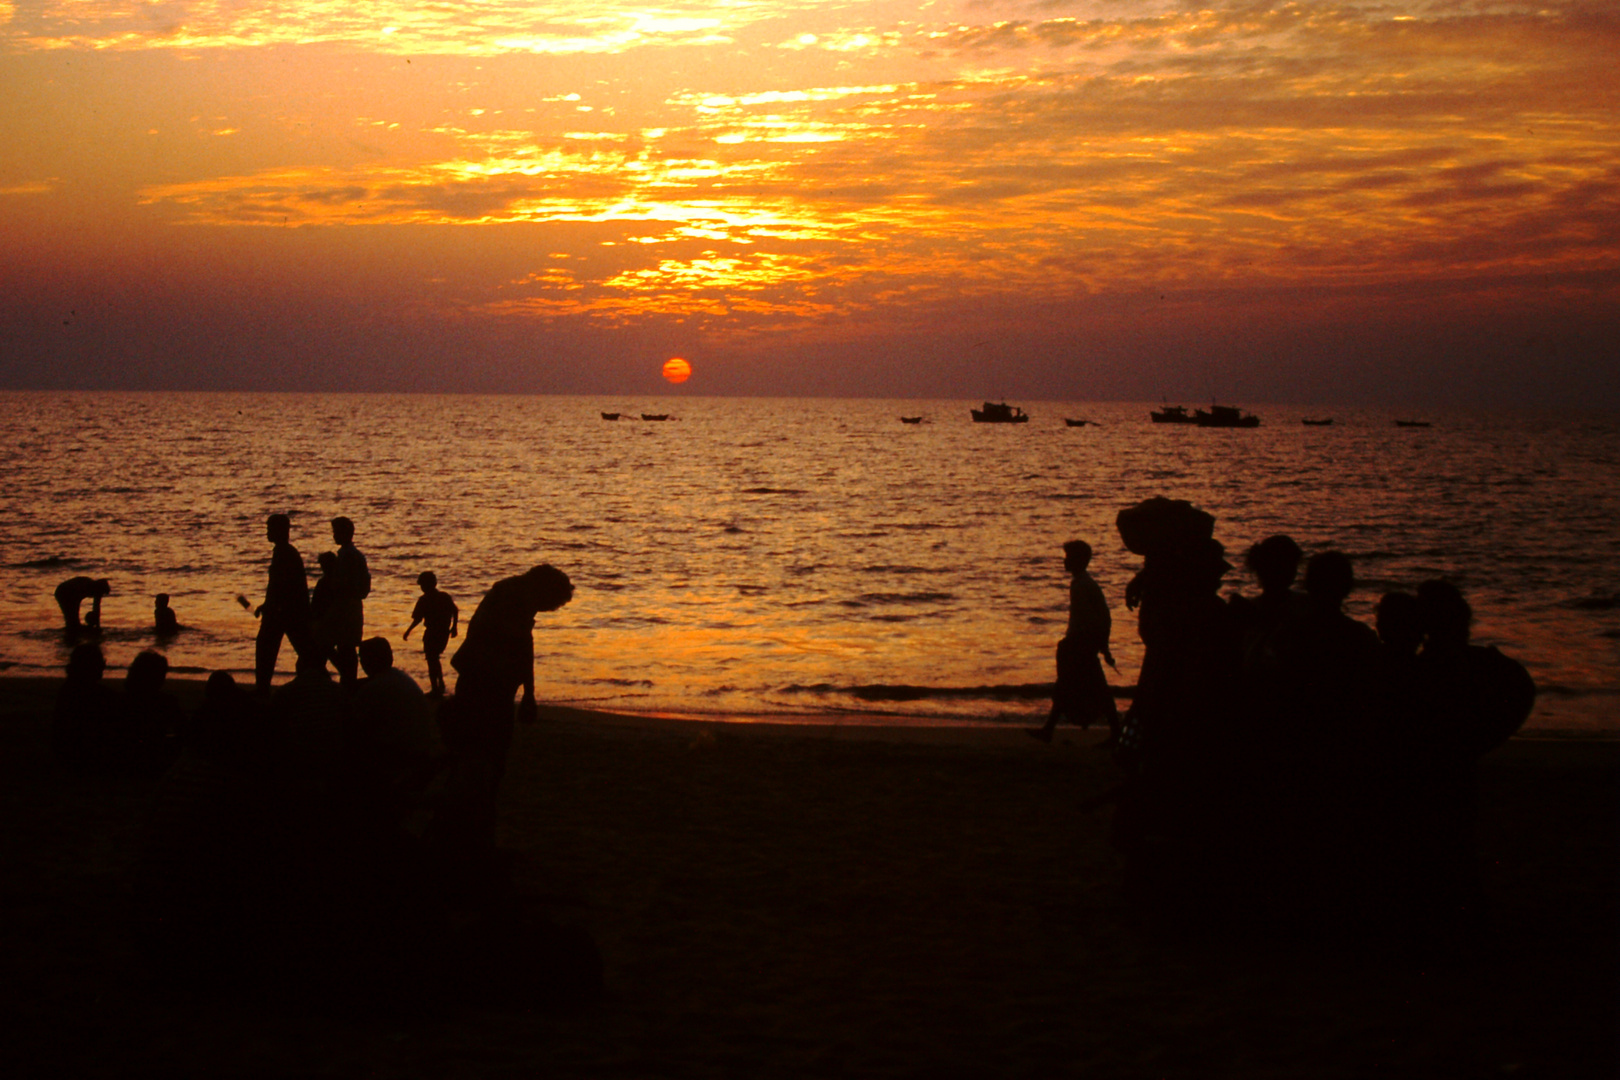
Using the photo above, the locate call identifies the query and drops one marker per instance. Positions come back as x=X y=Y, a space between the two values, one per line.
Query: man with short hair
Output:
x=285 y=611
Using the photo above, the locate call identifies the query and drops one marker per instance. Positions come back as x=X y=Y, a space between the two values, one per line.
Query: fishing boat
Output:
x=655 y=416
x=1079 y=423
x=911 y=419
x=1002 y=413
x=1308 y=422
x=1173 y=414
x=611 y=415
x=1225 y=416
x=1412 y=423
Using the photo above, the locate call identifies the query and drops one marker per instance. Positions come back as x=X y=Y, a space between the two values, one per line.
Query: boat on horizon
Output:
x=911 y=419
x=655 y=416
x=611 y=415
x=1308 y=422
x=1002 y=413
x=1080 y=423
x=1173 y=414
x=1412 y=423
x=1225 y=416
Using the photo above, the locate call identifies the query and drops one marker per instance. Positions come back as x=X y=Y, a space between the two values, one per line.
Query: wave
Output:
x=1560 y=690
x=906 y=692
x=50 y=562
x=773 y=491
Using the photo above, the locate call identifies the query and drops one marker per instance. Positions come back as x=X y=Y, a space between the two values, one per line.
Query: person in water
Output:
x=72 y=593
x=164 y=620
x=1081 y=692
x=345 y=621
x=285 y=611
x=439 y=612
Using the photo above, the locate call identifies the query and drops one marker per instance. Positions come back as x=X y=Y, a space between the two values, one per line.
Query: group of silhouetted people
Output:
x=329 y=821
x=1288 y=765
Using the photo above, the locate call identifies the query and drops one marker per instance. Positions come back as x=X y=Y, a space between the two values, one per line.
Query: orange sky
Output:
x=1379 y=201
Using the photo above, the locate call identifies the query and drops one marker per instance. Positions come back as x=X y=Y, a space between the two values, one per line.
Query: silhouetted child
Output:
x=75 y=591
x=164 y=620
x=1081 y=692
x=147 y=737
x=439 y=612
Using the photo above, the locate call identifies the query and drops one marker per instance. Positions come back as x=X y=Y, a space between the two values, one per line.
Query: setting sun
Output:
x=677 y=370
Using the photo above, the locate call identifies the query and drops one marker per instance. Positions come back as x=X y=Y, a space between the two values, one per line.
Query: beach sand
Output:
x=841 y=900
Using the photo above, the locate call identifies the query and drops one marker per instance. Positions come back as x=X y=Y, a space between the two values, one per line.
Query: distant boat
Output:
x=1225 y=416
x=911 y=419
x=655 y=416
x=610 y=416
x=1080 y=423
x=1308 y=422
x=1173 y=414
x=1002 y=413
x=1412 y=423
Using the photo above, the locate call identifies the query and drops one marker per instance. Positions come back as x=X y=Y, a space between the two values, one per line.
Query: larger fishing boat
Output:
x=1002 y=413
x=1225 y=416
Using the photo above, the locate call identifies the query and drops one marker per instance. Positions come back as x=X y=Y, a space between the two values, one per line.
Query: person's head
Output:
x=376 y=656
x=1274 y=562
x=1400 y=622
x=101 y=587
x=1329 y=578
x=146 y=673
x=342 y=530
x=428 y=580
x=549 y=588
x=327 y=560
x=162 y=600
x=1446 y=615
x=1076 y=556
x=277 y=528
x=1210 y=565
x=220 y=689
x=86 y=663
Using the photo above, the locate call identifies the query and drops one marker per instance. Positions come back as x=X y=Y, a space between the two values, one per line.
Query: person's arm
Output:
x=414 y=620
x=455 y=619
x=93 y=620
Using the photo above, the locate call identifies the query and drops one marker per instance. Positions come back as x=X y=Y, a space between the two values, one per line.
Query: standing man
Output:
x=495 y=659
x=1082 y=693
x=285 y=611
x=347 y=619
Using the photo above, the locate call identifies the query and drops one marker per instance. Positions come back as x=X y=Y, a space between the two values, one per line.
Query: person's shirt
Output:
x=286 y=594
x=436 y=611
x=1090 y=622
x=165 y=620
x=499 y=640
x=353 y=576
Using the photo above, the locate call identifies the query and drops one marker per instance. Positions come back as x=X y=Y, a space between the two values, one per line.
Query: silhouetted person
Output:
x=188 y=889
x=86 y=711
x=322 y=620
x=285 y=611
x=1081 y=692
x=346 y=619
x=164 y=620
x=152 y=716
x=496 y=658
x=72 y=593
x=1274 y=562
x=439 y=612
x=1328 y=661
x=395 y=744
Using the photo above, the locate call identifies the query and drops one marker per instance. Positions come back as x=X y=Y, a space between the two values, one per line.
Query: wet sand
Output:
x=842 y=900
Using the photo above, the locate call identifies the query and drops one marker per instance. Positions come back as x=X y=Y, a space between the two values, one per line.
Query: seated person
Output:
x=164 y=620
x=86 y=710
x=148 y=734
x=396 y=746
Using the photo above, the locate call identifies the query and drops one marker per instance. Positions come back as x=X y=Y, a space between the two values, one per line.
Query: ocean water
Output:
x=788 y=557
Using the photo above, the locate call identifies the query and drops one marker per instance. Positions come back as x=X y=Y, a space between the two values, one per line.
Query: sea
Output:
x=808 y=560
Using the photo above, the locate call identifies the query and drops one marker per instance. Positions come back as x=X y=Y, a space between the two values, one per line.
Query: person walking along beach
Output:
x=439 y=612
x=285 y=611
x=1081 y=693
x=346 y=620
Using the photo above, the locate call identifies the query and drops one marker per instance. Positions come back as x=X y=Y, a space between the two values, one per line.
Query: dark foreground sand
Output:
x=840 y=901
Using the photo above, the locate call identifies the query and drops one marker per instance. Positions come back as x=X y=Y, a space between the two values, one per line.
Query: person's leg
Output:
x=265 y=649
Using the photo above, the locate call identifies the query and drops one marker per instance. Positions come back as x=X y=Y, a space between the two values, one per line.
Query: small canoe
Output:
x=1411 y=423
x=655 y=416
x=1308 y=422
x=1080 y=423
x=911 y=419
x=610 y=416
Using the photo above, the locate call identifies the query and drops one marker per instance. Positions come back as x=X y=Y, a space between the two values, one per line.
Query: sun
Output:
x=677 y=370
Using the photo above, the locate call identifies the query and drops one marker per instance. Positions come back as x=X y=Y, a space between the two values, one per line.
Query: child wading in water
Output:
x=439 y=612
x=1082 y=693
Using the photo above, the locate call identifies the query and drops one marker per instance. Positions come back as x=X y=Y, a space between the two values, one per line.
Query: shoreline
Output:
x=21 y=693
